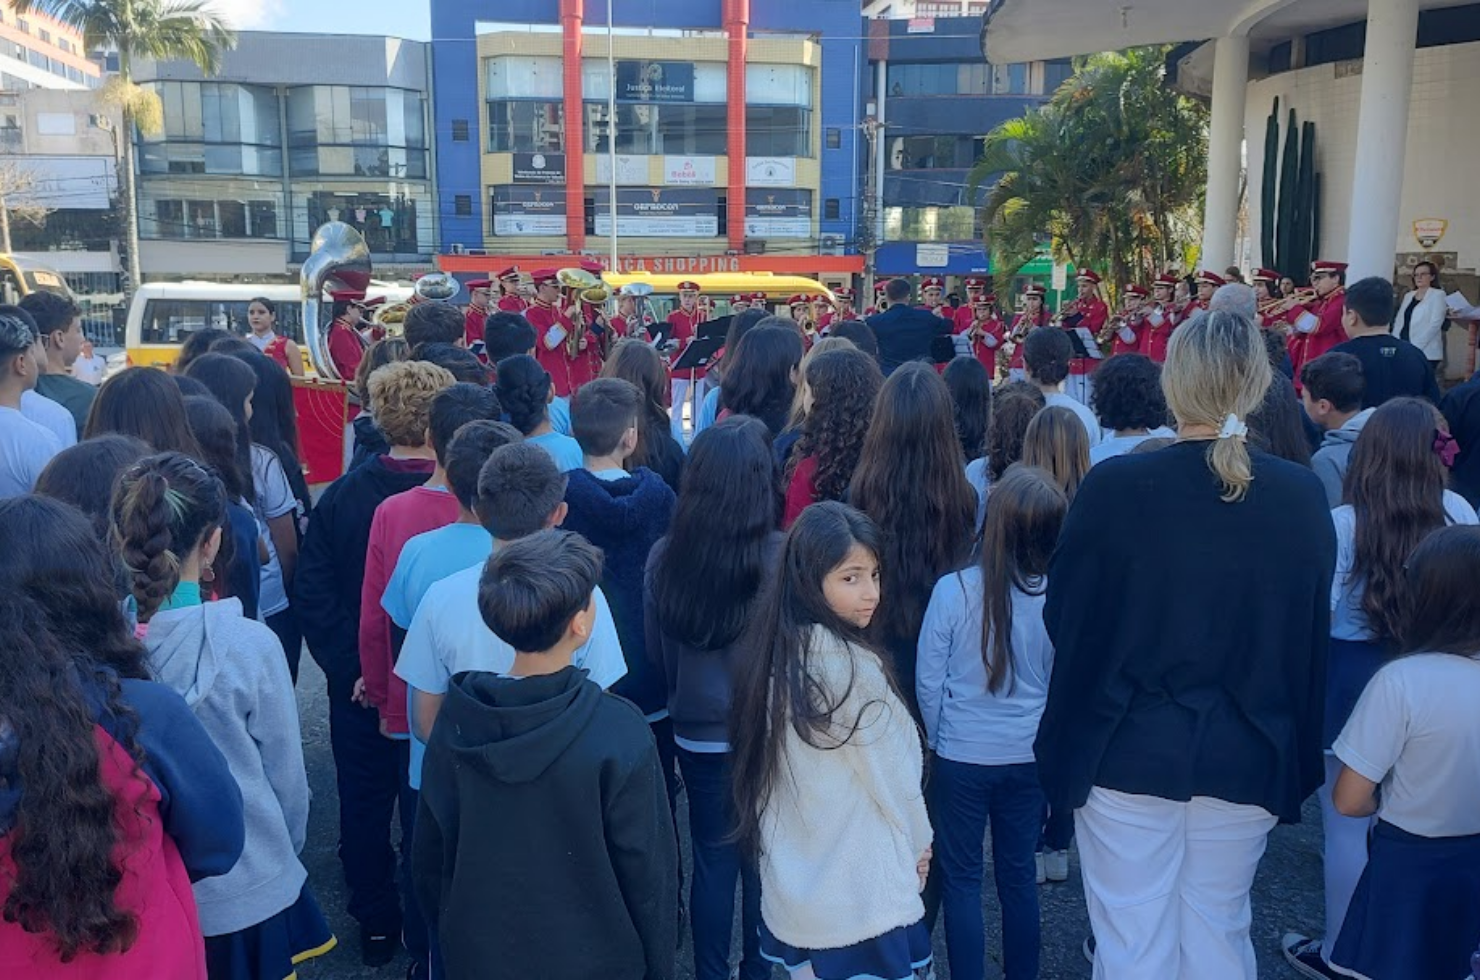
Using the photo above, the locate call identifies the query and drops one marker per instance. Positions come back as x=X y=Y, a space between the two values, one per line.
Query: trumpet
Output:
x=1112 y=327
x=578 y=284
x=1299 y=297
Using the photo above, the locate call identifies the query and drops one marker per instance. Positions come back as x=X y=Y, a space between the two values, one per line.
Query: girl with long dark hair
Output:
x=243 y=552
x=259 y=919
x=1013 y=407
x=704 y=582
x=982 y=678
x=841 y=388
x=822 y=739
x=725 y=360
x=144 y=403
x=95 y=869
x=525 y=391
x=763 y=378
x=236 y=385
x=84 y=475
x=1394 y=497
x=639 y=363
x=1409 y=756
x=910 y=482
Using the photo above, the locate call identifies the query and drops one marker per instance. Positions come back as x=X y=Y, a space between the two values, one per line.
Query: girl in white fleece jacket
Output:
x=828 y=767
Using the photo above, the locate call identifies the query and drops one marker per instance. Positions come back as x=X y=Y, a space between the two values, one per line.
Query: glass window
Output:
x=524 y=77
x=1056 y=73
x=391 y=223
x=183 y=209
x=929 y=224
x=778 y=85
x=932 y=152
x=657 y=129
x=1010 y=79
x=525 y=127
x=367 y=132
x=170 y=321
x=778 y=131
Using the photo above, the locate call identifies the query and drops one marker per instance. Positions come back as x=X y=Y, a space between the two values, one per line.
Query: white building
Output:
x=1391 y=85
x=38 y=52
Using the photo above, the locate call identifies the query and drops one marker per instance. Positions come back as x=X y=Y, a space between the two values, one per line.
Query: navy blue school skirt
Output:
x=273 y=949
x=1350 y=664
x=900 y=954
x=1416 y=911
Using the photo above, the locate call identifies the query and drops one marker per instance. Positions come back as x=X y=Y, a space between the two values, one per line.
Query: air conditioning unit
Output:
x=458 y=248
x=755 y=246
x=831 y=245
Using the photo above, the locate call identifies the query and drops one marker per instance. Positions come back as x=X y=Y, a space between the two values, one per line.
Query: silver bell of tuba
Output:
x=338 y=259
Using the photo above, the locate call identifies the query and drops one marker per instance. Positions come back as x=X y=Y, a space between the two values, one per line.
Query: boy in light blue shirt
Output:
x=520 y=491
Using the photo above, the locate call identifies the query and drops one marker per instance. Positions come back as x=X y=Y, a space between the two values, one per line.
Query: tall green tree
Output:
x=162 y=30
x=1109 y=173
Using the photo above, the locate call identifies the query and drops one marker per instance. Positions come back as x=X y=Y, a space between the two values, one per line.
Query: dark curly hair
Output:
x=1013 y=408
x=163 y=508
x=524 y=391
x=63 y=834
x=844 y=385
x=1128 y=394
x=55 y=560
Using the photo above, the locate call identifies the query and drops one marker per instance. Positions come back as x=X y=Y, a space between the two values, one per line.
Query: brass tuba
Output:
x=578 y=284
x=337 y=259
x=434 y=287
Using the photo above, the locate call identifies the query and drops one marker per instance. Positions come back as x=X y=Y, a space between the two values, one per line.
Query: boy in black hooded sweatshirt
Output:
x=543 y=846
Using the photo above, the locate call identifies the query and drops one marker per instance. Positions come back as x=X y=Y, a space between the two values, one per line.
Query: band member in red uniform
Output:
x=262 y=319
x=683 y=326
x=344 y=344
x=739 y=303
x=1161 y=319
x=1316 y=326
x=804 y=314
x=984 y=332
x=842 y=311
x=1034 y=315
x=1090 y=312
x=1266 y=284
x=1207 y=284
x=933 y=292
x=966 y=315
x=480 y=291
x=1128 y=336
x=625 y=322
x=508 y=285
x=553 y=328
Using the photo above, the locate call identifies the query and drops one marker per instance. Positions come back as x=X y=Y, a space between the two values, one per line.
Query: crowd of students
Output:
x=874 y=612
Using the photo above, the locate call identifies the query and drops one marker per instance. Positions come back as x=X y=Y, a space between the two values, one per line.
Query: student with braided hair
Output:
x=259 y=919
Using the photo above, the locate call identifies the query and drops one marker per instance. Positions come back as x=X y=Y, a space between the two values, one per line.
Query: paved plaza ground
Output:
x=1287 y=893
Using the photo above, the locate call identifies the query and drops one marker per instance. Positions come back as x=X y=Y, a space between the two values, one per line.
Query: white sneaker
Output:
x=1056 y=865
x=1042 y=871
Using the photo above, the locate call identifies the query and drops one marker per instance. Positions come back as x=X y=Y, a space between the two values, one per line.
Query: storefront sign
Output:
x=770 y=171
x=655 y=212
x=655 y=81
x=932 y=256
x=528 y=211
x=539 y=168
x=920 y=25
x=631 y=170
x=688 y=171
x=778 y=214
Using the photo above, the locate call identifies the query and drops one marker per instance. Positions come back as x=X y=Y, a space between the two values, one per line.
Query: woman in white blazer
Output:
x=1421 y=315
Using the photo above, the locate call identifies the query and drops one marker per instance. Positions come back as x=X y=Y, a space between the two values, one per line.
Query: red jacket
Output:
x=473 y=322
x=1018 y=322
x=1154 y=339
x=1306 y=347
x=510 y=303
x=346 y=349
x=397 y=520
x=566 y=373
x=1136 y=324
x=985 y=348
x=685 y=327
x=1096 y=314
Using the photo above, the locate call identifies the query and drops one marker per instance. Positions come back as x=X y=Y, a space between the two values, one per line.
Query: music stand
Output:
x=1084 y=344
x=699 y=353
x=942 y=348
x=718 y=327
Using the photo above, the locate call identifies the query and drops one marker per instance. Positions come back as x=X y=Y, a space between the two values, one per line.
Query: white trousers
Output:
x=1344 y=856
x=1080 y=387
x=679 y=390
x=1167 y=885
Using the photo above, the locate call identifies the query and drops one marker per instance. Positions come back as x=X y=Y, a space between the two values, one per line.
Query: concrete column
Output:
x=572 y=16
x=737 y=26
x=1225 y=150
x=1382 y=137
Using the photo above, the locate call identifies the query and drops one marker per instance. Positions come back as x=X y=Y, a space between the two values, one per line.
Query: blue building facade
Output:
x=937 y=99
x=487 y=52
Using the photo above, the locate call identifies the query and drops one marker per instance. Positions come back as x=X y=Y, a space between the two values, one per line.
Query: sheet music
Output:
x=1091 y=346
x=1461 y=308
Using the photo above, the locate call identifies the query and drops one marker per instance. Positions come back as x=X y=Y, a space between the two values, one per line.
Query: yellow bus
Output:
x=21 y=277
x=719 y=287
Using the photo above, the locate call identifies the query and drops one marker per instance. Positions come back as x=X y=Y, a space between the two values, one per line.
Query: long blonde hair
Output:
x=1217 y=367
x=799 y=401
x=1057 y=442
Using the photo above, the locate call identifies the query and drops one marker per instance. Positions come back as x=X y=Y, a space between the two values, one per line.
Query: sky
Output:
x=400 y=18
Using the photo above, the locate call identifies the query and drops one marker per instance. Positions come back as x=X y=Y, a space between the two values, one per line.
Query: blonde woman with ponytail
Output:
x=1188 y=604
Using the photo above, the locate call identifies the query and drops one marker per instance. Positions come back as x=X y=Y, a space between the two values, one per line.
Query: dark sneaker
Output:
x=1304 y=954
x=418 y=970
x=379 y=946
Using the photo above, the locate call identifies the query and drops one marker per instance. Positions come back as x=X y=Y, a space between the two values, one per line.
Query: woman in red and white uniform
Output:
x=480 y=291
x=1129 y=336
x=510 y=300
x=553 y=326
x=1315 y=327
x=262 y=319
x=1034 y=315
x=1090 y=312
x=1266 y=283
x=1161 y=319
x=683 y=326
x=984 y=332
x=966 y=315
x=344 y=343
x=933 y=292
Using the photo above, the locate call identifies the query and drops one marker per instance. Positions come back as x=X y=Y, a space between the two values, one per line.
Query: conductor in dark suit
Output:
x=904 y=331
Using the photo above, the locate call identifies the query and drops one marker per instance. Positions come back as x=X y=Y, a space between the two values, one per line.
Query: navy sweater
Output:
x=331 y=564
x=625 y=518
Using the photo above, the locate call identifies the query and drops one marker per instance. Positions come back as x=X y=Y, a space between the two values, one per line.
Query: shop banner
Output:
x=778 y=214
x=655 y=81
x=658 y=212
x=539 y=168
x=688 y=171
x=528 y=211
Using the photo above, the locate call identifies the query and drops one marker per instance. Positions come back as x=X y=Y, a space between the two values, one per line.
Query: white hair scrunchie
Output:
x=1233 y=428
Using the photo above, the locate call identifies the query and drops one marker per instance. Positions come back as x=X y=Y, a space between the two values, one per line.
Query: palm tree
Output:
x=1110 y=171
x=162 y=30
